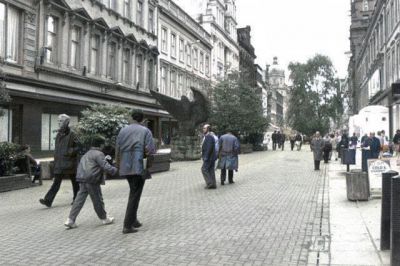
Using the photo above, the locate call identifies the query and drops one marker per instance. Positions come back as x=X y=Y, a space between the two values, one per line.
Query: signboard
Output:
x=375 y=169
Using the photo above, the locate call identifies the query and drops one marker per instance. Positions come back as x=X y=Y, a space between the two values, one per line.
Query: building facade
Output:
x=218 y=18
x=247 y=68
x=62 y=55
x=375 y=63
x=185 y=57
x=277 y=100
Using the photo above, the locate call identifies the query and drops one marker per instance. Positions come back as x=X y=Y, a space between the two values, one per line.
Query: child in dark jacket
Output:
x=90 y=176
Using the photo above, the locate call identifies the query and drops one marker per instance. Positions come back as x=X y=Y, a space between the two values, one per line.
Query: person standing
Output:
x=353 y=141
x=65 y=160
x=90 y=176
x=327 y=148
x=374 y=145
x=228 y=156
x=396 y=141
x=317 y=146
x=299 y=140
x=292 y=139
x=274 y=140
x=278 y=139
x=208 y=156
x=282 y=140
x=134 y=143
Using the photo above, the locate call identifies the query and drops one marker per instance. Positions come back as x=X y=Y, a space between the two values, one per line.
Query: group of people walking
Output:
x=278 y=140
x=224 y=149
x=133 y=144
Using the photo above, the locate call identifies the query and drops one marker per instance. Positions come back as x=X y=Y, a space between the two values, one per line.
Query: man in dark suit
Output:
x=274 y=140
x=208 y=155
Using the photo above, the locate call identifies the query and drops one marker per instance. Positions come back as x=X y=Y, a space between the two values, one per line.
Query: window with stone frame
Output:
x=112 y=60
x=51 y=39
x=164 y=83
x=95 y=54
x=207 y=65
x=151 y=20
x=75 y=47
x=173 y=45
x=164 y=40
x=139 y=13
x=188 y=55
x=201 y=67
x=150 y=74
x=9 y=32
x=127 y=8
x=195 y=58
x=172 y=90
x=126 y=66
x=180 y=84
x=181 y=50
x=112 y=4
x=139 y=70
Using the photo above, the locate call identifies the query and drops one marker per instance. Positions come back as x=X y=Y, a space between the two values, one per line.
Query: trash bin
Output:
x=357 y=185
x=348 y=156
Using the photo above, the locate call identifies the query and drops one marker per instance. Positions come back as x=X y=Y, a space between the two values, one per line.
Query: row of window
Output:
x=127 y=11
x=131 y=67
x=176 y=83
x=184 y=51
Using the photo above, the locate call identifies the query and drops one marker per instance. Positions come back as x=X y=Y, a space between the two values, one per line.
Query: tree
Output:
x=316 y=96
x=4 y=95
x=236 y=106
x=104 y=120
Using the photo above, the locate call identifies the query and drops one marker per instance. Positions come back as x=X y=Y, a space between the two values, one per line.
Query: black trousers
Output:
x=274 y=145
x=223 y=175
x=292 y=145
x=55 y=187
x=136 y=184
x=316 y=165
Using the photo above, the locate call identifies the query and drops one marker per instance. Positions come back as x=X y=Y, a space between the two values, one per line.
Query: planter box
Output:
x=161 y=163
x=357 y=185
x=13 y=182
x=246 y=148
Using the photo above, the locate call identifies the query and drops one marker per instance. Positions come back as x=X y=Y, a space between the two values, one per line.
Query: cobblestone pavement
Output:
x=271 y=216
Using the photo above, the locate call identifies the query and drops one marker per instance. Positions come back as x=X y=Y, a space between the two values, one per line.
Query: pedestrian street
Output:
x=270 y=216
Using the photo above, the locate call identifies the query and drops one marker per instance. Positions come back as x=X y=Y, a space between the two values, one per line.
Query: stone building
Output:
x=247 y=68
x=375 y=62
x=218 y=18
x=277 y=99
x=62 y=55
x=185 y=56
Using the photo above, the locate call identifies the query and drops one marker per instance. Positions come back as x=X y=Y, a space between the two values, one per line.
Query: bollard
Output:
x=395 y=222
x=385 y=209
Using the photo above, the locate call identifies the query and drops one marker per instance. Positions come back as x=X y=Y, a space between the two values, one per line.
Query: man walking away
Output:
x=292 y=139
x=274 y=140
x=299 y=140
x=279 y=139
x=229 y=152
x=65 y=160
x=327 y=149
x=208 y=156
x=134 y=143
x=317 y=145
x=282 y=140
x=90 y=176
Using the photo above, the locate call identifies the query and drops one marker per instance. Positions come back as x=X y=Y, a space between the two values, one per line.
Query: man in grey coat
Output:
x=317 y=146
x=90 y=176
x=65 y=160
x=228 y=156
x=134 y=143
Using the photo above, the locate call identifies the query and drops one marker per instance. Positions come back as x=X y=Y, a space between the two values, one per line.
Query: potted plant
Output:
x=8 y=155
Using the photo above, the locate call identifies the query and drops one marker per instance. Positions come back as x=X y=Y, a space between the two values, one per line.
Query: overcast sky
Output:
x=295 y=30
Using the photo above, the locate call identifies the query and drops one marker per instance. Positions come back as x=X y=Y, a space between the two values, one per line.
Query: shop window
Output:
x=6 y=125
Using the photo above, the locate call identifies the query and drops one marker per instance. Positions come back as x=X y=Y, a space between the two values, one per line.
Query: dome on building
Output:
x=276 y=69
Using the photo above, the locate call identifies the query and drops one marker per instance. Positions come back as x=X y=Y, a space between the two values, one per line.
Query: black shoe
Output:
x=129 y=230
x=211 y=187
x=136 y=224
x=45 y=202
x=231 y=182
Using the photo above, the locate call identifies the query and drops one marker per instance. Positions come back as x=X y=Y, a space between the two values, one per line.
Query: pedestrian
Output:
x=209 y=158
x=384 y=141
x=396 y=142
x=375 y=145
x=90 y=175
x=299 y=141
x=327 y=149
x=353 y=141
x=134 y=143
x=282 y=139
x=333 y=141
x=22 y=164
x=274 y=140
x=228 y=156
x=279 y=139
x=364 y=138
x=317 y=145
x=292 y=139
x=65 y=160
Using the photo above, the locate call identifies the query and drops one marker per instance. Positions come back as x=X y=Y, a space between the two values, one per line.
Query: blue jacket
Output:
x=208 y=148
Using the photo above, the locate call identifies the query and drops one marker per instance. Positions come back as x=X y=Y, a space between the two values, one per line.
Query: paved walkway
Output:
x=275 y=214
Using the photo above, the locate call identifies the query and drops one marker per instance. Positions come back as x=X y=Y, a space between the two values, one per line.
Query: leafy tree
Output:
x=4 y=95
x=104 y=120
x=236 y=106
x=315 y=96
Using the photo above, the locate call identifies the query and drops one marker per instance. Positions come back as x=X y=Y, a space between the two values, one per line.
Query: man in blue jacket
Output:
x=90 y=176
x=208 y=155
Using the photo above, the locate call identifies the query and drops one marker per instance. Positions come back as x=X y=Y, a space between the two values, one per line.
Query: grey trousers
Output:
x=96 y=196
x=208 y=171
